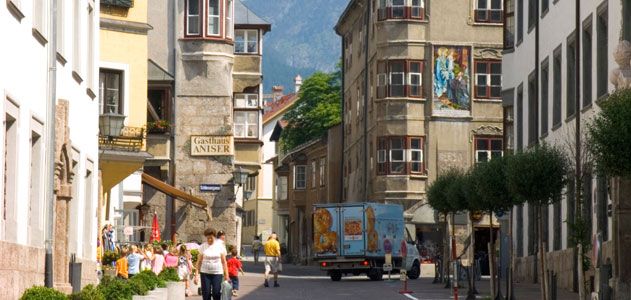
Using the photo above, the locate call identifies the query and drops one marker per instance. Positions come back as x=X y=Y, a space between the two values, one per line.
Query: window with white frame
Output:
x=488 y=79
x=398 y=9
x=415 y=78
x=400 y=155
x=282 y=188
x=35 y=183
x=314 y=169
x=401 y=9
x=111 y=91
x=397 y=78
x=40 y=18
x=246 y=124
x=246 y=101
x=11 y=171
x=489 y=11
x=246 y=41
x=322 y=170
x=88 y=215
x=250 y=184
x=229 y=16
x=300 y=177
x=214 y=16
x=193 y=17
x=400 y=78
x=487 y=148
x=77 y=39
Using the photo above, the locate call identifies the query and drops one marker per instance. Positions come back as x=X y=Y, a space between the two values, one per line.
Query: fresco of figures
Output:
x=451 y=78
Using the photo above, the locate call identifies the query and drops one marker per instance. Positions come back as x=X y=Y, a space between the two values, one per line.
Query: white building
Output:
x=27 y=33
x=539 y=92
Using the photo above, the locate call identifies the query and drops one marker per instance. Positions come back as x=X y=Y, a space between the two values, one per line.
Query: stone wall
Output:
x=561 y=262
x=20 y=268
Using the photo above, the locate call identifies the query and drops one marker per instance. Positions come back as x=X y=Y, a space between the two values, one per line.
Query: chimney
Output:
x=277 y=92
x=298 y=83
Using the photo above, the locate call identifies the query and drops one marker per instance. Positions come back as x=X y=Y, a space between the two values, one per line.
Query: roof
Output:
x=279 y=107
x=157 y=73
x=278 y=129
x=244 y=16
x=344 y=14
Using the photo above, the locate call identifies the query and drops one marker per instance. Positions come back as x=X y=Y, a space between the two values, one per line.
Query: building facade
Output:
x=422 y=94
x=542 y=98
x=26 y=89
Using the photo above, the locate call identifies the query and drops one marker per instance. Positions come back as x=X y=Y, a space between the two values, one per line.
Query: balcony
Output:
x=114 y=136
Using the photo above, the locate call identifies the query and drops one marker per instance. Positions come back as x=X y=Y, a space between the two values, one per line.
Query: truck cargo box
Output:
x=358 y=230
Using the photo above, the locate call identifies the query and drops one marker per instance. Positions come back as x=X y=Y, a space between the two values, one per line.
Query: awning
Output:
x=172 y=191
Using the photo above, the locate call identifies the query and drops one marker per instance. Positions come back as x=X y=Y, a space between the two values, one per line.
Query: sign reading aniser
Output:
x=211 y=145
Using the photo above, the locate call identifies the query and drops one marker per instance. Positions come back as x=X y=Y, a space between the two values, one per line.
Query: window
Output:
x=158 y=104
x=213 y=18
x=250 y=184
x=544 y=96
x=60 y=27
x=40 y=18
x=401 y=9
x=509 y=24
x=77 y=39
x=545 y=4
x=322 y=171
x=88 y=216
x=246 y=124
x=246 y=101
x=348 y=48
x=246 y=41
x=111 y=91
x=587 y=64
x=193 y=19
x=300 y=177
x=556 y=96
x=229 y=13
x=400 y=155
x=35 y=203
x=601 y=54
x=520 y=21
x=282 y=188
x=487 y=148
x=91 y=46
x=533 y=116
x=509 y=124
x=488 y=11
x=570 y=77
x=601 y=209
x=10 y=166
x=400 y=78
x=314 y=169
x=532 y=13
x=519 y=119
x=488 y=79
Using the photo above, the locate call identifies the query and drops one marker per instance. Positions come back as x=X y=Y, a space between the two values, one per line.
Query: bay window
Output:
x=487 y=148
x=400 y=78
x=246 y=101
x=246 y=41
x=246 y=124
x=401 y=9
x=210 y=18
x=213 y=18
x=229 y=13
x=322 y=170
x=400 y=155
x=193 y=21
x=489 y=11
x=300 y=177
x=488 y=79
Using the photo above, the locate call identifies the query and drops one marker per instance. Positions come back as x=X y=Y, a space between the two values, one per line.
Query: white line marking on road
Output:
x=410 y=296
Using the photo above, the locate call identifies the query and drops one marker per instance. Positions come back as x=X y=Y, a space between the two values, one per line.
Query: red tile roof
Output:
x=279 y=107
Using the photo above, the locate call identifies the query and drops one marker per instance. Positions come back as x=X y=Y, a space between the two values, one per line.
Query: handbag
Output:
x=226 y=290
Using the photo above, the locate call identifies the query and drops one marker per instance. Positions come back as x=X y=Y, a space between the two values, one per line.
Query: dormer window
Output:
x=209 y=18
x=246 y=41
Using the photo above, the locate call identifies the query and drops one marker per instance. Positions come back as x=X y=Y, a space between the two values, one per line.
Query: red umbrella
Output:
x=155 y=229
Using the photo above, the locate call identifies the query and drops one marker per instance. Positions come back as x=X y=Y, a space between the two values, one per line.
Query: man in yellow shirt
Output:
x=272 y=258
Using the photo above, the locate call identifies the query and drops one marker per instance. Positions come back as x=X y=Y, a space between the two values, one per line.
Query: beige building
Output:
x=422 y=93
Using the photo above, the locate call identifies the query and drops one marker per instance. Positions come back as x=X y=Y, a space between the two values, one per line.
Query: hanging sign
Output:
x=211 y=145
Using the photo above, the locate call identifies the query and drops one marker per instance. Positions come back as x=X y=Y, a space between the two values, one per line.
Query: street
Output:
x=308 y=282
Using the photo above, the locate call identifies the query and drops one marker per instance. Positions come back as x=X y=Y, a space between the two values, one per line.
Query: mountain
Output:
x=302 y=39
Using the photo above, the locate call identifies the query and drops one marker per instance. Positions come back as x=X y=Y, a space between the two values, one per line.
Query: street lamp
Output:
x=111 y=125
x=240 y=176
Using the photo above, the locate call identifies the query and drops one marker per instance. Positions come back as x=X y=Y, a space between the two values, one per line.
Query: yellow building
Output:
x=123 y=103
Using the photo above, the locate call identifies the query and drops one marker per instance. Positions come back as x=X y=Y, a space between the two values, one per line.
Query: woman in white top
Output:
x=212 y=266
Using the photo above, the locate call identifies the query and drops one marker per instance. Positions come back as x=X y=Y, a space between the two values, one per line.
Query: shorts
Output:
x=271 y=264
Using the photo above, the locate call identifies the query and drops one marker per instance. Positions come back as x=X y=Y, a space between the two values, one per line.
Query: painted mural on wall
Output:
x=451 y=78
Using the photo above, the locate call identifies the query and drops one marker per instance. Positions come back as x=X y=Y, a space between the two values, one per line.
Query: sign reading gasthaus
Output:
x=211 y=145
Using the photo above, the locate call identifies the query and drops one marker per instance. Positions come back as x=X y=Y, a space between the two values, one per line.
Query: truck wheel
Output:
x=336 y=275
x=375 y=274
x=415 y=271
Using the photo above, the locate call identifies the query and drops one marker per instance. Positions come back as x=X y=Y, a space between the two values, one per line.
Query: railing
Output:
x=130 y=139
x=119 y=3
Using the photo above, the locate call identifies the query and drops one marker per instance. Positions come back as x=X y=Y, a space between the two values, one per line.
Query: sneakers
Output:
x=234 y=293
x=266 y=284
x=276 y=284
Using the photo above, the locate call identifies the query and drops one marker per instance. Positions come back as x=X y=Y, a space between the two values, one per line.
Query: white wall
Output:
x=23 y=78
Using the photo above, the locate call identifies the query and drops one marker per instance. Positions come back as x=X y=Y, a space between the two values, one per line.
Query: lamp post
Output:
x=240 y=176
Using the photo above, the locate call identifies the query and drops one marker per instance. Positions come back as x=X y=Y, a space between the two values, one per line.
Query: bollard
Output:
x=404 y=278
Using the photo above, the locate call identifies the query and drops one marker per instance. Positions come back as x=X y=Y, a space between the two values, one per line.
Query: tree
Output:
x=538 y=176
x=317 y=109
x=609 y=135
x=489 y=193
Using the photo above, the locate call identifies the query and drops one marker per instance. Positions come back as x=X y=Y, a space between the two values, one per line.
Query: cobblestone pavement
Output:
x=306 y=283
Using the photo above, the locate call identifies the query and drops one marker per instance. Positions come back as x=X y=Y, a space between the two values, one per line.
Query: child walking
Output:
x=184 y=267
x=122 y=265
x=234 y=267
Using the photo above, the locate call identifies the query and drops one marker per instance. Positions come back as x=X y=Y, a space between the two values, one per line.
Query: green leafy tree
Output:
x=538 y=176
x=317 y=109
x=609 y=135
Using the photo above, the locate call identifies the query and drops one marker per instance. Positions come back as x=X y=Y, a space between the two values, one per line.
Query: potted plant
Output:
x=176 y=289
x=159 y=126
x=110 y=257
x=40 y=292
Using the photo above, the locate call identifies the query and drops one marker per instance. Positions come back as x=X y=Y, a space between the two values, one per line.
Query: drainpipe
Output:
x=173 y=116
x=343 y=75
x=578 y=183
x=50 y=141
x=366 y=98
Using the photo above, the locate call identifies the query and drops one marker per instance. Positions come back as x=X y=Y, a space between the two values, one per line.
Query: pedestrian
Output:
x=256 y=248
x=148 y=257
x=106 y=236
x=234 y=267
x=122 y=265
x=272 y=259
x=184 y=267
x=212 y=266
x=133 y=261
x=171 y=258
x=165 y=249
x=157 y=264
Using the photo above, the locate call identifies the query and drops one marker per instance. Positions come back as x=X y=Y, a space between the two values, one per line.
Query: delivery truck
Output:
x=363 y=238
